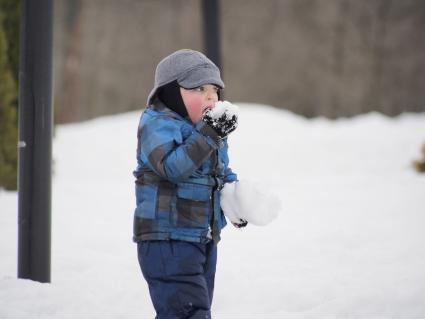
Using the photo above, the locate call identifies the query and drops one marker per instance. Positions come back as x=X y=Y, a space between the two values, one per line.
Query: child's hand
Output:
x=222 y=118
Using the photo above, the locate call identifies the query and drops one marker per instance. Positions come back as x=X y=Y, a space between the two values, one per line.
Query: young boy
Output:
x=182 y=166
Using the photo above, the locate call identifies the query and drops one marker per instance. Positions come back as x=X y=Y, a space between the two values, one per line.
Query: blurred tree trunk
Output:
x=379 y=54
x=339 y=55
x=70 y=107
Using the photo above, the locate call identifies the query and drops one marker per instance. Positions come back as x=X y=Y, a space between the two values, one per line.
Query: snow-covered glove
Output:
x=246 y=201
x=223 y=118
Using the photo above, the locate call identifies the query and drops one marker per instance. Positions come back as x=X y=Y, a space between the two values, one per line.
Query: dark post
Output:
x=211 y=28
x=35 y=140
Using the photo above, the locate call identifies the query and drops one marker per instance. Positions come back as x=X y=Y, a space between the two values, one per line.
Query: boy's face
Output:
x=199 y=99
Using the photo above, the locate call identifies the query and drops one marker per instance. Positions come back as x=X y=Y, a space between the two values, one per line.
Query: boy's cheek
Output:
x=194 y=109
x=195 y=115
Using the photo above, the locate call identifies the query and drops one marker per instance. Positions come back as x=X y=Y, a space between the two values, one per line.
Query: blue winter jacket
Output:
x=181 y=169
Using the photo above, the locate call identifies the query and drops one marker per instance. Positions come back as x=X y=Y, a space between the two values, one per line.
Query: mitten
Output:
x=222 y=118
x=242 y=223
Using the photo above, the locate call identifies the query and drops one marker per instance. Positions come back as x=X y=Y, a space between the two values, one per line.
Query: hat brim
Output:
x=201 y=76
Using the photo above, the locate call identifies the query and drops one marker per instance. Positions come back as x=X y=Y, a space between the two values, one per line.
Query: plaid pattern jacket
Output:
x=181 y=169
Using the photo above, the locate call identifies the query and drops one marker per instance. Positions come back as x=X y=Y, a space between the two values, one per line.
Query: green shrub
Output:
x=8 y=95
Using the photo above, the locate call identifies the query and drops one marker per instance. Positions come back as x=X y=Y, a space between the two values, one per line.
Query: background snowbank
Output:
x=349 y=243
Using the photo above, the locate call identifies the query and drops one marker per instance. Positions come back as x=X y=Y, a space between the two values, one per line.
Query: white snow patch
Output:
x=224 y=107
x=349 y=243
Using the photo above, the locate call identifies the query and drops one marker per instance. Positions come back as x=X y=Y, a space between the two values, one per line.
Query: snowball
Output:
x=228 y=202
x=224 y=107
x=246 y=200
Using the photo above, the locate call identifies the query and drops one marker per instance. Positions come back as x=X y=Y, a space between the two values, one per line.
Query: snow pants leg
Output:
x=180 y=276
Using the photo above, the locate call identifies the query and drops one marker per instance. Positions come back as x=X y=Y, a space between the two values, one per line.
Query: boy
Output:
x=182 y=166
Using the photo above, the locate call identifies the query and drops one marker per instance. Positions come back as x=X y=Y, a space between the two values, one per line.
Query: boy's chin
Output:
x=194 y=119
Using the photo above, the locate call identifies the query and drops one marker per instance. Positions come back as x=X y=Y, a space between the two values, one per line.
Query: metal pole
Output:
x=211 y=28
x=35 y=140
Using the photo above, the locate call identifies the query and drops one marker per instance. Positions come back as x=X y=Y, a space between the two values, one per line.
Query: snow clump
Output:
x=224 y=107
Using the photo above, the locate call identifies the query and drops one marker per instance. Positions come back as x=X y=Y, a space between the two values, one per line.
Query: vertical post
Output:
x=211 y=28
x=35 y=140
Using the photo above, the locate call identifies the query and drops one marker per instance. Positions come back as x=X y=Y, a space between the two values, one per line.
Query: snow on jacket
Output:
x=181 y=170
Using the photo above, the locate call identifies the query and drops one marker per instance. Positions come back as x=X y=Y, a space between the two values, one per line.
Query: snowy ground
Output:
x=349 y=243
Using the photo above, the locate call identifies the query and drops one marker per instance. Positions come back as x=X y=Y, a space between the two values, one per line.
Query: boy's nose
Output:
x=212 y=95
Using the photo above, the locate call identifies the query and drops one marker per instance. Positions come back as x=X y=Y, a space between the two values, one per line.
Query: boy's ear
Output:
x=170 y=95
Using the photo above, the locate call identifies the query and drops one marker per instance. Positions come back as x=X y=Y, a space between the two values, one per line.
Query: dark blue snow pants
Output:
x=180 y=276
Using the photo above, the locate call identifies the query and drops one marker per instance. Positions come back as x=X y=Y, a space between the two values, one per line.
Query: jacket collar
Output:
x=159 y=106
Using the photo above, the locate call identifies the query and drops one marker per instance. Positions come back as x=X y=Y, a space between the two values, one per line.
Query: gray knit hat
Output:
x=190 y=68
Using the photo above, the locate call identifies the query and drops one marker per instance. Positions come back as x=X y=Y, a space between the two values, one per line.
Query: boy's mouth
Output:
x=206 y=109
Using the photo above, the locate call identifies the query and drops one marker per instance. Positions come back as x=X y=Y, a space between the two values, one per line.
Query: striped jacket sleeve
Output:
x=229 y=175
x=165 y=152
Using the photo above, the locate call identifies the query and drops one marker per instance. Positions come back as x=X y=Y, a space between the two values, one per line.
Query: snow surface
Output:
x=349 y=243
